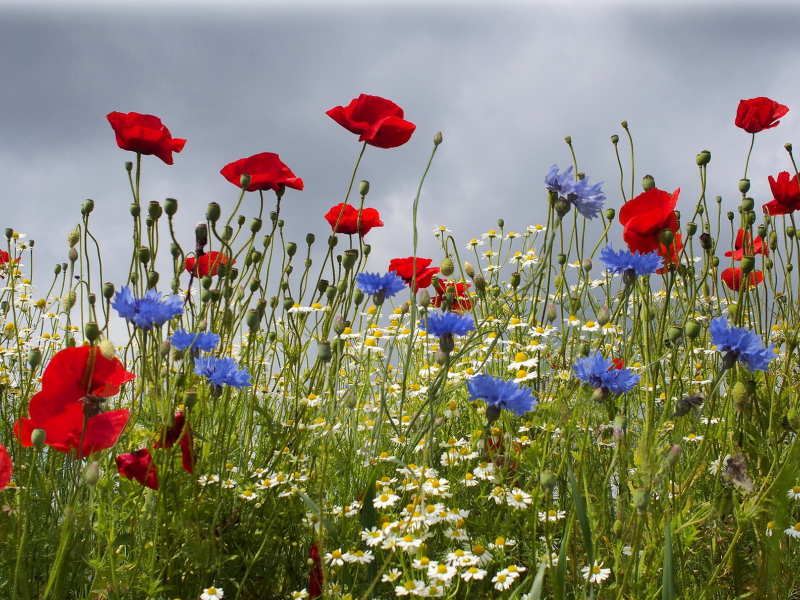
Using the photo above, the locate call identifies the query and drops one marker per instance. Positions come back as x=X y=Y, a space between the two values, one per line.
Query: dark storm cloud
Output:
x=505 y=86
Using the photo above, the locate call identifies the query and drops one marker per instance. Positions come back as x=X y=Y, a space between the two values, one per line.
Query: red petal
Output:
x=6 y=467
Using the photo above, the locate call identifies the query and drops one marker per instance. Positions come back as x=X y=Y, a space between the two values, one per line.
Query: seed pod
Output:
x=136 y=210
x=34 y=357
x=648 y=182
x=667 y=236
x=190 y=398
x=358 y=297
x=253 y=319
x=610 y=214
x=692 y=329
x=744 y=185
x=691 y=229
x=72 y=297
x=91 y=331
x=437 y=138
x=548 y=480
x=57 y=269
x=740 y=397
x=674 y=333
x=515 y=280
x=363 y=188
x=703 y=158
x=641 y=500
x=213 y=212
x=38 y=437
x=144 y=255
x=154 y=210
x=349 y=259
x=324 y=353
x=152 y=279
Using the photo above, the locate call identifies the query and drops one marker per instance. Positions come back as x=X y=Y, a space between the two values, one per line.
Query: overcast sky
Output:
x=504 y=84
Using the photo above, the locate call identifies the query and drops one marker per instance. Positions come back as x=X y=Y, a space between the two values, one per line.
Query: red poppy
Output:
x=645 y=216
x=404 y=267
x=618 y=364
x=210 y=260
x=175 y=433
x=315 y=575
x=462 y=300
x=732 y=276
x=786 y=194
x=756 y=247
x=266 y=171
x=59 y=408
x=4 y=261
x=6 y=467
x=378 y=121
x=348 y=219
x=145 y=134
x=139 y=466
x=758 y=114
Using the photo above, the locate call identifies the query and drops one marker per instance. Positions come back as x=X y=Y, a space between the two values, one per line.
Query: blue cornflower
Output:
x=588 y=199
x=150 y=311
x=221 y=371
x=380 y=286
x=737 y=343
x=499 y=393
x=630 y=264
x=601 y=374
x=199 y=342
x=449 y=323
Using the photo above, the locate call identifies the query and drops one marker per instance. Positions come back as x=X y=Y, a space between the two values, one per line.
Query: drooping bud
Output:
x=447 y=267
x=72 y=255
x=73 y=237
x=480 y=282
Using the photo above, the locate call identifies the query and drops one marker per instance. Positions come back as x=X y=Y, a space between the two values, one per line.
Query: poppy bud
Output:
x=91 y=331
x=244 y=181
x=72 y=255
x=790 y=267
x=641 y=500
x=469 y=269
x=190 y=398
x=480 y=282
x=324 y=353
x=330 y=293
x=72 y=297
x=253 y=319
x=624 y=125
x=621 y=422
x=673 y=456
x=92 y=473
x=610 y=214
x=57 y=269
x=568 y=139
x=703 y=158
x=501 y=223
x=136 y=210
x=256 y=256
x=603 y=315
x=38 y=437
x=561 y=259
x=152 y=279
x=349 y=259
x=515 y=280
x=154 y=210
x=691 y=229
x=666 y=236
x=739 y=395
x=447 y=267
x=423 y=298
x=692 y=329
x=768 y=264
x=615 y=139
x=648 y=182
x=748 y=264
x=88 y=206
x=213 y=212
x=164 y=349
x=700 y=209
x=34 y=357
x=587 y=264
x=551 y=313
x=107 y=349
x=548 y=480
x=674 y=333
x=363 y=188
x=585 y=348
x=772 y=240
x=437 y=139
x=201 y=234
x=358 y=297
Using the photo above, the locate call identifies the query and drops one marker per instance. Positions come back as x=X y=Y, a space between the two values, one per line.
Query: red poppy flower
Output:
x=266 y=171
x=786 y=194
x=315 y=575
x=59 y=408
x=209 y=261
x=618 y=364
x=462 y=300
x=6 y=467
x=145 y=134
x=732 y=276
x=404 y=267
x=645 y=216
x=756 y=247
x=4 y=261
x=172 y=434
x=758 y=114
x=349 y=219
x=139 y=466
x=378 y=121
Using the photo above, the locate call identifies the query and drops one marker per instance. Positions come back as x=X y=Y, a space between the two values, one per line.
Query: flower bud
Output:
x=57 y=269
x=703 y=158
x=107 y=349
x=599 y=394
x=73 y=237
x=667 y=236
x=92 y=473
x=244 y=181
x=548 y=480
x=447 y=267
x=629 y=277
x=324 y=352
x=437 y=139
x=740 y=397
x=673 y=456
x=363 y=188
x=648 y=182
x=447 y=343
x=91 y=331
x=551 y=314
x=72 y=297
x=480 y=282
x=641 y=500
x=603 y=316
x=358 y=297
x=213 y=212
x=615 y=139
x=349 y=259
x=469 y=269
x=610 y=214
x=38 y=437
x=515 y=280
x=72 y=255
x=584 y=349
x=423 y=298
x=587 y=264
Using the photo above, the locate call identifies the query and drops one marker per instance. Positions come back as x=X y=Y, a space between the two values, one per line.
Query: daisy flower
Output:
x=596 y=573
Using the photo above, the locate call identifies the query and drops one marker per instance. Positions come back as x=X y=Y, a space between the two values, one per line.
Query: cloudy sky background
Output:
x=504 y=84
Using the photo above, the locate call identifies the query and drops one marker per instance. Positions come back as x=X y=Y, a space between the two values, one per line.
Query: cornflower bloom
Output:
x=631 y=265
x=587 y=199
x=197 y=342
x=737 y=343
x=149 y=311
x=221 y=371
x=603 y=375
x=445 y=326
x=379 y=286
x=500 y=394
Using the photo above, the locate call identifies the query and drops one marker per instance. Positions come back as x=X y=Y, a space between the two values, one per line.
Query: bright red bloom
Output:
x=175 y=433
x=732 y=276
x=619 y=364
x=207 y=261
x=378 y=121
x=786 y=194
x=645 y=216
x=145 y=134
x=756 y=247
x=315 y=574
x=139 y=466
x=6 y=467
x=266 y=171
x=404 y=267
x=4 y=261
x=462 y=301
x=59 y=408
x=758 y=114
x=349 y=220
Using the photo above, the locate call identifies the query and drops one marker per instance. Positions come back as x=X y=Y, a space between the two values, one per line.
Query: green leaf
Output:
x=668 y=577
x=536 y=588
x=322 y=518
x=369 y=519
x=583 y=515
x=561 y=567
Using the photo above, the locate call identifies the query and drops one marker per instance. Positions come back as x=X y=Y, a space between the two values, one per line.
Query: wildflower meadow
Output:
x=601 y=403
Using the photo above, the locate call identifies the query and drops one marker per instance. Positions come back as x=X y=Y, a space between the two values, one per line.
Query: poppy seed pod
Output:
x=748 y=203
x=363 y=188
x=73 y=237
x=281 y=223
x=358 y=297
x=57 y=269
x=349 y=259
x=128 y=166
x=244 y=181
x=324 y=353
x=501 y=223
x=691 y=229
x=692 y=329
x=91 y=331
x=227 y=232
x=367 y=249
x=154 y=210
x=288 y=303
x=744 y=185
x=615 y=139
x=674 y=333
x=206 y=281
x=291 y=249
x=88 y=206
x=136 y=210
x=667 y=236
x=330 y=293
x=34 y=357
x=610 y=214
x=561 y=259
x=310 y=238
x=255 y=284
x=170 y=206
x=213 y=212
x=748 y=264
x=515 y=280
x=447 y=267
x=108 y=290
x=648 y=182
x=38 y=437
x=190 y=398
x=703 y=158
x=791 y=231
x=174 y=250
x=332 y=241
x=253 y=319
